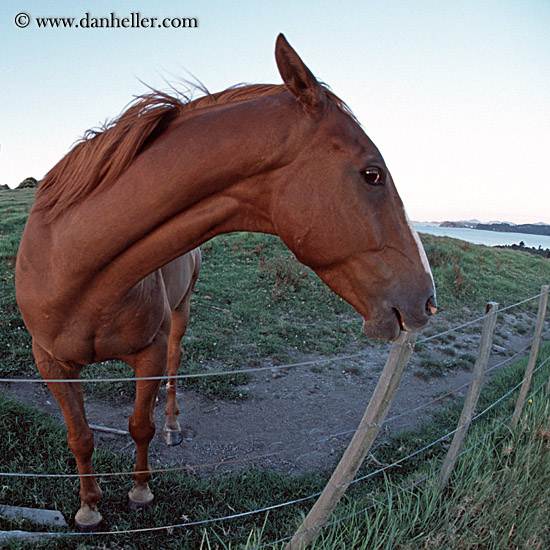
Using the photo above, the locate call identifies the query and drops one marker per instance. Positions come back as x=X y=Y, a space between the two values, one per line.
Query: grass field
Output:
x=498 y=498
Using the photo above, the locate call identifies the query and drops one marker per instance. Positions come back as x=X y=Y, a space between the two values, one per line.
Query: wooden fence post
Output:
x=473 y=394
x=533 y=355
x=376 y=412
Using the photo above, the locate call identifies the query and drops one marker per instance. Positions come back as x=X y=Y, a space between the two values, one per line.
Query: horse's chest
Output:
x=88 y=331
x=132 y=323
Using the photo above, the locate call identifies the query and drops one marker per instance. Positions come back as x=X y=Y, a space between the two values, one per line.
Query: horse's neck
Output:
x=206 y=175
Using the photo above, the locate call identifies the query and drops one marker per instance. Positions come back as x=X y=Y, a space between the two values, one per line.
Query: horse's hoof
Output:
x=87 y=520
x=172 y=437
x=85 y=528
x=140 y=498
x=137 y=505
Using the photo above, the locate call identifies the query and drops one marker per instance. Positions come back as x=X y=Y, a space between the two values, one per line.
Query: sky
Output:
x=455 y=93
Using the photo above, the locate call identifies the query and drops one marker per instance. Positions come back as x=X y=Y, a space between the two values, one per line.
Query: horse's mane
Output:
x=103 y=154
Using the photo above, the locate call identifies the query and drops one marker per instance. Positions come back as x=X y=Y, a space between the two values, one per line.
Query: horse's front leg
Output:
x=149 y=362
x=79 y=435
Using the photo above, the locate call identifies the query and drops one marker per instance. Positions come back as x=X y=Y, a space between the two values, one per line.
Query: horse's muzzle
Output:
x=411 y=322
x=388 y=326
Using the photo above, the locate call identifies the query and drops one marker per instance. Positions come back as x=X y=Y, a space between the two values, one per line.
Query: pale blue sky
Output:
x=456 y=94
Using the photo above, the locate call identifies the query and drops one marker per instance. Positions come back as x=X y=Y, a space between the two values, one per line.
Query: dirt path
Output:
x=287 y=423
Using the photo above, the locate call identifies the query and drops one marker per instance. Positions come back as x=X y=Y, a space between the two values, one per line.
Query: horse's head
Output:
x=338 y=210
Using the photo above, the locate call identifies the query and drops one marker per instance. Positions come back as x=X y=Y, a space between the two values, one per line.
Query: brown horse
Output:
x=97 y=272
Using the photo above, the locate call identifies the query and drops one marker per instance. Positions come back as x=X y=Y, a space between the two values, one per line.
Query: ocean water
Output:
x=480 y=236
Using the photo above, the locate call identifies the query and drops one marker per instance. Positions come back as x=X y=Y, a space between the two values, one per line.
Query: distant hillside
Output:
x=545 y=253
x=504 y=227
x=470 y=224
x=529 y=228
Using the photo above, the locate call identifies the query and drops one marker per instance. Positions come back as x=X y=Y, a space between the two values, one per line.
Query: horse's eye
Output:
x=373 y=176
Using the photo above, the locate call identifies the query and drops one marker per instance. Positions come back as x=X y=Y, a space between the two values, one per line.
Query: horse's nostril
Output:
x=431 y=306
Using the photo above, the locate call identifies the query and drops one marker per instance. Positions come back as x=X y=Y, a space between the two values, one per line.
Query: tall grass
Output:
x=472 y=275
x=499 y=499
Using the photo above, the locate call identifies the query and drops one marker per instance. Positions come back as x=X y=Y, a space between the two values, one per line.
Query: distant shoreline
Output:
x=526 y=228
x=484 y=237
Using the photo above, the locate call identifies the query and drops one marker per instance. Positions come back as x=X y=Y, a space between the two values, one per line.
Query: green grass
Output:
x=34 y=443
x=14 y=209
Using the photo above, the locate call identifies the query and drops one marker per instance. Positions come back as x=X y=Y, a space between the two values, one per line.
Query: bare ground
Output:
x=299 y=419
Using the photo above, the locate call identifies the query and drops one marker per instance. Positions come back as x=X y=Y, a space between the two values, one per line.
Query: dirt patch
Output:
x=300 y=419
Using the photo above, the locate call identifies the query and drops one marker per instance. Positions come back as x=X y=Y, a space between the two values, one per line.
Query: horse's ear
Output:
x=299 y=79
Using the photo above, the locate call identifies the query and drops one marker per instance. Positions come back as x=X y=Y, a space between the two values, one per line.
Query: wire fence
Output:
x=378 y=471
x=312 y=443
x=267 y=509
